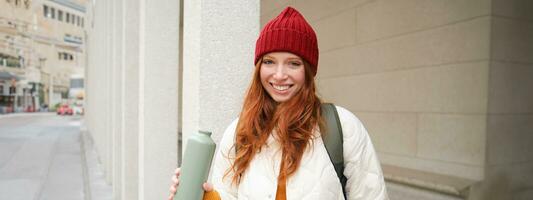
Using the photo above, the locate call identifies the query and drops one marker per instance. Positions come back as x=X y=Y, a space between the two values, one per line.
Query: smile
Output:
x=281 y=87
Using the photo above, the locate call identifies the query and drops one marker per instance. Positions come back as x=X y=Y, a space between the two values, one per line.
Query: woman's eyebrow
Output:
x=294 y=59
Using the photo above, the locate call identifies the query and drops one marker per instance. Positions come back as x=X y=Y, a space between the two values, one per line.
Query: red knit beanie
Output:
x=289 y=32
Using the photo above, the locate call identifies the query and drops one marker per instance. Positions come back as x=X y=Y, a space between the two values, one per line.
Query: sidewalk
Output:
x=95 y=185
x=44 y=156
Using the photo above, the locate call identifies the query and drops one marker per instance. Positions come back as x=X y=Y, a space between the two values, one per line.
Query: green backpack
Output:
x=333 y=141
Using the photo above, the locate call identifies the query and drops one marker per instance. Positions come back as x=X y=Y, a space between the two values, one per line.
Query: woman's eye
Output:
x=267 y=62
x=295 y=64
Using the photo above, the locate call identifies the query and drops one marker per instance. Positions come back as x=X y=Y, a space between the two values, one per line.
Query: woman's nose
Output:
x=280 y=72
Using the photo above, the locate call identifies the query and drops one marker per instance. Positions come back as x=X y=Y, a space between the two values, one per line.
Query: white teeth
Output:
x=281 y=87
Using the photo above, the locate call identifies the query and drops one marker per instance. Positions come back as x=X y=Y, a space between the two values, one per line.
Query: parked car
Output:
x=64 y=110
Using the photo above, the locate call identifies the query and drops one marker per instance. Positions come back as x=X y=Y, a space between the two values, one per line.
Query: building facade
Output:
x=16 y=56
x=42 y=47
x=444 y=87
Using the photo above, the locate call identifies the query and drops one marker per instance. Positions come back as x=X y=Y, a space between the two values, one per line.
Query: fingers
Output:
x=175 y=180
x=175 y=183
x=171 y=197
x=172 y=189
x=208 y=187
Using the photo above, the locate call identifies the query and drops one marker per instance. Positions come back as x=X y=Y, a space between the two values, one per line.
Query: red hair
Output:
x=294 y=122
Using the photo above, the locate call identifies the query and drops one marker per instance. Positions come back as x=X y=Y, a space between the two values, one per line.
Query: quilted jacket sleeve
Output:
x=223 y=159
x=362 y=168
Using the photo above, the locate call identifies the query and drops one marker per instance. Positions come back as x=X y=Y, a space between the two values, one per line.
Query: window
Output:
x=76 y=83
x=46 y=11
x=71 y=57
x=73 y=18
x=53 y=13
x=78 y=21
x=59 y=55
x=1 y=90
x=82 y=22
x=59 y=15
x=68 y=17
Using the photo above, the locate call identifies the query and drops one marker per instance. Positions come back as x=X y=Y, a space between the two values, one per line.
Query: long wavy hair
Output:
x=294 y=122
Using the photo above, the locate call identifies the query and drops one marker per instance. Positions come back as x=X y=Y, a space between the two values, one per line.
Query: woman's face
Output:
x=282 y=75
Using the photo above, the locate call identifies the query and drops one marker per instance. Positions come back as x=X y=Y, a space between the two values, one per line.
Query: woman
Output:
x=274 y=149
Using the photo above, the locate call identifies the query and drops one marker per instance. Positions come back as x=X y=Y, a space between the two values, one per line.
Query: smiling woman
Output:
x=282 y=75
x=275 y=147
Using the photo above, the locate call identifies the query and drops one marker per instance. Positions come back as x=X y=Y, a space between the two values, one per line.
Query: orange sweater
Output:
x=281 y=191
x=280 y=194
x=213 y=195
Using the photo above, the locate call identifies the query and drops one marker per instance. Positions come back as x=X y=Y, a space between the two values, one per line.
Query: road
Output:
x=41 y=158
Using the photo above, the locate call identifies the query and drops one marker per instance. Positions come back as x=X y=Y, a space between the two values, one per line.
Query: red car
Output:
x=64 y=110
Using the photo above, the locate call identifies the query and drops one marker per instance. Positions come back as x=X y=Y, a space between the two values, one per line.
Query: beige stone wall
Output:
x=444 y=87
x=19 y=11
x=416 y=72
x=509 y=170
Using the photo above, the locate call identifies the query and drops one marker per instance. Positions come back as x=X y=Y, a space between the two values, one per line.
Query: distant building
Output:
x=42 y=44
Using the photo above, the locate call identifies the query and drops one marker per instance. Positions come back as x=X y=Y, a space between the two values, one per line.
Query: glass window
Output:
x=68 y=17
x=82 y=22
x=53 y=13
x=45 y=11
x=59 y=15
x=59 y=56
x=78 y=21
x=76 y=83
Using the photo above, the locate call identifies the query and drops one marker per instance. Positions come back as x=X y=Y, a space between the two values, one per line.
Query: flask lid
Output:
x=208 y=133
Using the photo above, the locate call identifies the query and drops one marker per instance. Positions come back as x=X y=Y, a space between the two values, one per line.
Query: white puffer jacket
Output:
x=316 y=177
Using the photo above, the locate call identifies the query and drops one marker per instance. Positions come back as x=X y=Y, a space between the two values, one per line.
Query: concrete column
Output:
x=509 y=135
x=97 y=81
x=158 y=96
x=130 y=142
x=117 y=109
x=133 y=81
x=109 y=97
x=219 y=41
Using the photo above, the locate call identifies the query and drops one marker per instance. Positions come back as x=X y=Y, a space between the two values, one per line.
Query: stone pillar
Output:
x=117 y=93
x=133 y=79
x=158 y=96
x=130 y=73
x=219 y=41
x=109 y=96
x=509 y=162
x=96 y=79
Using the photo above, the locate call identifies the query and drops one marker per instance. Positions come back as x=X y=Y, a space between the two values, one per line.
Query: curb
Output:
x=10 y=115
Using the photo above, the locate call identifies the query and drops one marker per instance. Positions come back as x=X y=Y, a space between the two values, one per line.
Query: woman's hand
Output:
x=175 y=182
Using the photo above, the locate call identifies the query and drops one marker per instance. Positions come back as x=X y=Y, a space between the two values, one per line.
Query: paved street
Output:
x=42 y=158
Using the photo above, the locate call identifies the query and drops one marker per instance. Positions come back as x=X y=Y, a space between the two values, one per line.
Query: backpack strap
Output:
x=333 y=141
